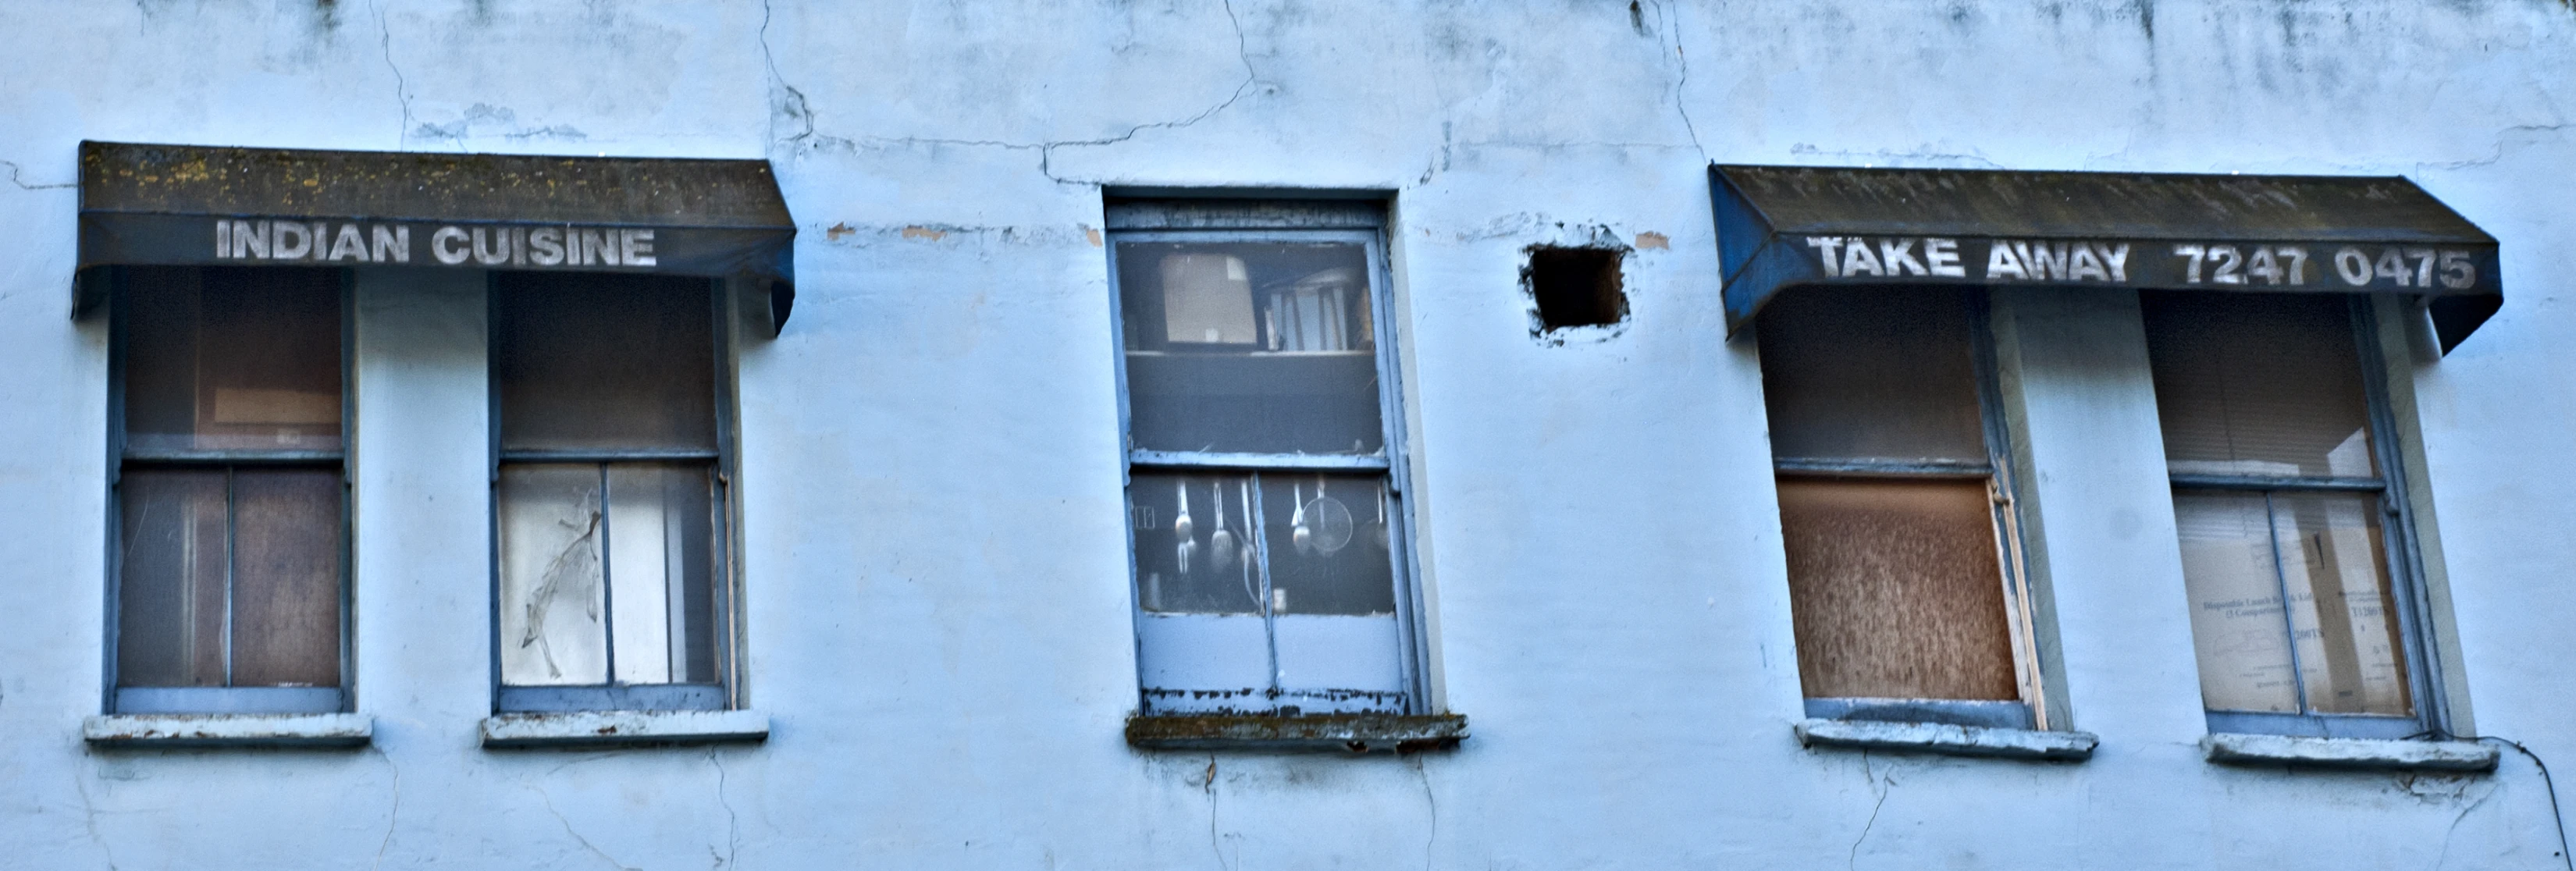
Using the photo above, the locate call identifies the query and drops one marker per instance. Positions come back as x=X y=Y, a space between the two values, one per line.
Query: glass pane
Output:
x=661 y=552
x=2234 y=584
x=2341 y=609
x=1895 y=589
x=286 y=577
x=170 y=583
x=2259 y=384
x=603 y=362
x=1194 y=547
x=232 y=358
x=1875 y=373
x=1253 y=347
x=1327 y=538
x=552 y=626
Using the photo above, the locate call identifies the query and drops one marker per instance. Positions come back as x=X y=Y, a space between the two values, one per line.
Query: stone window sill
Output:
x=1355 y=733
x=2362 y=753
x=148 y=731
x=1947 y=740
x=622 y=728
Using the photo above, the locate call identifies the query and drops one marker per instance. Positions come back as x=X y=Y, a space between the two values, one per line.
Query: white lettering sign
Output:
x=449 y=245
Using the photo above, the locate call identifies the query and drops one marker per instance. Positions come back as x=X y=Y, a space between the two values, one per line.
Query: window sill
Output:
x=622 y=728
x=2363 y=753
x=228 y=730
x=1947 y=740
x=1356 y=733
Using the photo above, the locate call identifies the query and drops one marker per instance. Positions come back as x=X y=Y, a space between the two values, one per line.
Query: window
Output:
x=609 y=489
x=1272 y=569
x=1901 y=542
x=2293 y=532
x=231 y=563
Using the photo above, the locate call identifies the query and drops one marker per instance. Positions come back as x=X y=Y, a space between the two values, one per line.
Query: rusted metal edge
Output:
x=622 y=728
x=1947 y=740
x=1353 y=733
x=155 y=731
x=2349 y=753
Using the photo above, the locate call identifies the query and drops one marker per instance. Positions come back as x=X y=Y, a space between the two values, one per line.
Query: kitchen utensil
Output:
x=1327 y=522
x=1221 y=542
x=1298 y=535
x=1183 y=529
x=1377 y=531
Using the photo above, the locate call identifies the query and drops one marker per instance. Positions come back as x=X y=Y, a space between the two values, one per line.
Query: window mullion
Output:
x=607 y=585
x=1256 y=529
x=2281 y=587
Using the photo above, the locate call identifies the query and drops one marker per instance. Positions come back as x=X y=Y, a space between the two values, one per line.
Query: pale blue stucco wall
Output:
x=937 y=606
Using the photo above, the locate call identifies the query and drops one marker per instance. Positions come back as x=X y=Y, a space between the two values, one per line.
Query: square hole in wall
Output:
x=1575 y=287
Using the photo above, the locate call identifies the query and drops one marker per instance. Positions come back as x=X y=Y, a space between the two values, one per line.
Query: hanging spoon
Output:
x=1378 y=531
x=1220 y=543
x=1183 y=529
x=1298 y=534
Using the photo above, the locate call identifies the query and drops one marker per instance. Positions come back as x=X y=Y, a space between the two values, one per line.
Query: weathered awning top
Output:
x=199 y=205
x=1779 y=227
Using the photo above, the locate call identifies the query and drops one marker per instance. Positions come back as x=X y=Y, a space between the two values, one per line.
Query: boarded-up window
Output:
x=230 y=559
x=2279 y=499
x=1886 y=509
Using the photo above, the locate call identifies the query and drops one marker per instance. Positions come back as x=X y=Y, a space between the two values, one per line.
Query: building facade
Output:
x=473 y=433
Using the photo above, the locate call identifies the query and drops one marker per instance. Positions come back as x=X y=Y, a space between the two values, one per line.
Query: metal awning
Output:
x=1780 y=227
x=184 y=205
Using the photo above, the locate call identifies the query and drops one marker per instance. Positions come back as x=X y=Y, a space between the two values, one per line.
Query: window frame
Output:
x=2003 y=487
x=1362 y=222
x=2402 y=552
x=725 y=578
x=226 y=699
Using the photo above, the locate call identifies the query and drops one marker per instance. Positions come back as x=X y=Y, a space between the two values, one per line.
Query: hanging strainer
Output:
x=1326 y=522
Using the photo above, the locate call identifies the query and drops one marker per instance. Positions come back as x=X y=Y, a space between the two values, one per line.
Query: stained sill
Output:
x=152 y=731
x=1352 y=733
x=1947 y=740
x=622 y=728
x=2350 y=753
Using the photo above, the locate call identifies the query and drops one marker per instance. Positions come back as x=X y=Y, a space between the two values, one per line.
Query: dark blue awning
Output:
x=1780 y=227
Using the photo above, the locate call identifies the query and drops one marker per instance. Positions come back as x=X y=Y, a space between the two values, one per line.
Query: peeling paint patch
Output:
x=1091 y=235
x=1653 y=241
x=836 y=231
x=920 y=232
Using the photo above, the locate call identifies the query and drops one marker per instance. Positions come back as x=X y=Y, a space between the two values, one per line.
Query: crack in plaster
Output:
x=16 y=179
x=549 y=801
x=89 y=821
x=1242 y=53
x=402 y=86
x=390 y=815
x=1207 y=784
x=733 y=820
x=795 y=106
x=1681 y=105
x=799 y=111
x=2444 y=857
x=1431 y=801
x=1886 y=784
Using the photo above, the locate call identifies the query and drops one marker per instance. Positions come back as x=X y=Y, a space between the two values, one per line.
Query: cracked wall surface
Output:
x=938 y=618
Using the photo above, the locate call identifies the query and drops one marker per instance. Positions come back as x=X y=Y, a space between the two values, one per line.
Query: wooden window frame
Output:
x=2403 y=555
x=224 y=699
x=1348 y=221
x=725 y=692
x=2031 y=710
